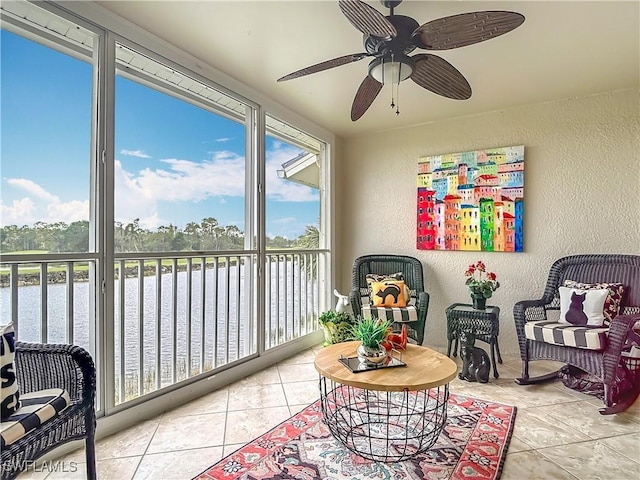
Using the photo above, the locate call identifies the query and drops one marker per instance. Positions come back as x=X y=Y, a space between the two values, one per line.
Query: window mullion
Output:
x=104 y=208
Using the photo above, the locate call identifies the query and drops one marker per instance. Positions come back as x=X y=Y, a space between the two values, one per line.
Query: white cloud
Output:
x=17 y=213
x=69 y=211
x=224 y=139
x=185 y=180
x=40 y=206
x=138 y=193
x=151 y=222
x=134 y=153
x=284 y=220
x=33 y=189
x=132 y=201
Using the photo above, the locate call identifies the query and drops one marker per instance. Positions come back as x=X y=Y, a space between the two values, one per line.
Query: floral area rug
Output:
x=472 y=445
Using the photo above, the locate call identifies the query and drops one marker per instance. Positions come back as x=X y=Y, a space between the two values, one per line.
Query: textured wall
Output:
x=582 y=195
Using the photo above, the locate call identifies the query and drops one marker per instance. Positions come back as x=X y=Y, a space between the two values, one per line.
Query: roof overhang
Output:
x=302 y=169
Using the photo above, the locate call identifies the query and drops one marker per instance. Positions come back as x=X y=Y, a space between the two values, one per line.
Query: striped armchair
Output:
x=414 y=315
x=599 y=352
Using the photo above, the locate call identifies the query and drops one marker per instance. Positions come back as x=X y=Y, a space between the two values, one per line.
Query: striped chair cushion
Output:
x=589 y=338
x=37 y=408
x=397 y=315
x=393 y=314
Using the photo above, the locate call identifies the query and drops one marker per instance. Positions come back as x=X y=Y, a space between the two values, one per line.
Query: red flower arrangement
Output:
x=480 y=281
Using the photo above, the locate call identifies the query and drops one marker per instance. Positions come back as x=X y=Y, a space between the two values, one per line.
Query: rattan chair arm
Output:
x=529 y=310
x=618 y=333
x=356 y=302
x=422 y=303
x=526 y=311
x=422 y=306
x=43 y=366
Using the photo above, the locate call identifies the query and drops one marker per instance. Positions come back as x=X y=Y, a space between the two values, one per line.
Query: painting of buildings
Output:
x=472 y=201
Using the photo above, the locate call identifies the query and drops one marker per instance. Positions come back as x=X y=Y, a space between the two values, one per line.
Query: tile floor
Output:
x=558 y=434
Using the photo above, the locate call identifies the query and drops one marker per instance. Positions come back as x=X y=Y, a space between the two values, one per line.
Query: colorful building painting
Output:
x=472 y=200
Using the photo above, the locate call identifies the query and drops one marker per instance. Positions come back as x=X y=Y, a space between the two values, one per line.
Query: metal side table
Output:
x=485 y=324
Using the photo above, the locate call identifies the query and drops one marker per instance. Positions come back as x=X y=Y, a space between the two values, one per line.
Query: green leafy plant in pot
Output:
x=371 y=332
x=336 y=326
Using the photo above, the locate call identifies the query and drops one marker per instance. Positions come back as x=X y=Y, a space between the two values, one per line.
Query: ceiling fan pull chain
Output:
x=383 y=81
x=393 y=103
x=398 y=89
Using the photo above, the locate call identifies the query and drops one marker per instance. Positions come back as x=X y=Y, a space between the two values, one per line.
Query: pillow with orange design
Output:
x=382 y=277
x=388 y=294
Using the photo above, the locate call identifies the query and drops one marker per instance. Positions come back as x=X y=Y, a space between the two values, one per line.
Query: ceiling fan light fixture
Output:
x=389 y=69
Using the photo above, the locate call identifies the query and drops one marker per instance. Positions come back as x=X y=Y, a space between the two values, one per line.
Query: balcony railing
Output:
x=175 y=316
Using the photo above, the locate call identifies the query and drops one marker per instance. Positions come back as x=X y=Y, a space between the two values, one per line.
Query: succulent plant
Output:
x=371 y=331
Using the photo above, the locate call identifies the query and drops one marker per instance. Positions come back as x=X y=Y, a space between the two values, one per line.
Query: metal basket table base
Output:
x=384 y=426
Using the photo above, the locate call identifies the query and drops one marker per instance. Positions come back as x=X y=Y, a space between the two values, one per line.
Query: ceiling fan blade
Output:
x=439 y=76
x=366 y=94
x=466 y=29
x=367 y=19
x=319 y=67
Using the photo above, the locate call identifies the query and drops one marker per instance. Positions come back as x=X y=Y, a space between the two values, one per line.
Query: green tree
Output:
x=278 y=242
x=132 y=236
x=118 y=237
x=10 y=239
x=310 y=238
x=192 y=231
x=209 y=226
x=179 y=242
x=234 y=236
x=76 y=237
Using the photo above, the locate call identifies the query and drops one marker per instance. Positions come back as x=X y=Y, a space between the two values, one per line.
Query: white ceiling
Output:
x=564 y=49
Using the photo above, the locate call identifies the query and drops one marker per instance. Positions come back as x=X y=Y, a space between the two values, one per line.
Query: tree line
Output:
x=61 y=237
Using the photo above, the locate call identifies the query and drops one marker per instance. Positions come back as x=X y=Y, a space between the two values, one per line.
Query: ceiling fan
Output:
x=390 y=39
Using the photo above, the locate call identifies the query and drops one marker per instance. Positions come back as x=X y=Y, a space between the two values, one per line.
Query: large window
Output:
x=180 y=172
x=180 y=161
x=47 y=164
x=165 y=223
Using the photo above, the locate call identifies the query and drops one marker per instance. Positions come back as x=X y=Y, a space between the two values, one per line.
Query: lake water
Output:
x=220 y=323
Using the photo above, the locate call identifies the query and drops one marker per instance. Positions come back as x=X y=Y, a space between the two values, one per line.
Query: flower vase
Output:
x=371 y=357
x=479 y=301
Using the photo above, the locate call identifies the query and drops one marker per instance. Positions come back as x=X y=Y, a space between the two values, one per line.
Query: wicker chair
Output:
x=45 y=366
x=606 y=364
x=411 y=269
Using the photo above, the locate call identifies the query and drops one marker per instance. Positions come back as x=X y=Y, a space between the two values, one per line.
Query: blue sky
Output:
x=175 y=163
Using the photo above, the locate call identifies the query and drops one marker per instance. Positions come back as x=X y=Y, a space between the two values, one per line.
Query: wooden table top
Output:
x=425 y=369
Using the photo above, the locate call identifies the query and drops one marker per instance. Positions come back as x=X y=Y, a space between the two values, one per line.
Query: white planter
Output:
x=371 y=356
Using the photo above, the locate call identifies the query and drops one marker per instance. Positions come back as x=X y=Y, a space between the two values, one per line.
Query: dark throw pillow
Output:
x=9 y=392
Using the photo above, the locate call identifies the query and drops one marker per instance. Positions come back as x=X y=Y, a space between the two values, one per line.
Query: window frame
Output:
x=110 y=30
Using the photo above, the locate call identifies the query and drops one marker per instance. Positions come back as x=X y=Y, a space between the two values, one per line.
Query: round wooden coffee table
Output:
x=387 y=414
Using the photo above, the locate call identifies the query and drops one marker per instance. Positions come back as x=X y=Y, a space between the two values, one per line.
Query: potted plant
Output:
x=371 y=332
x=481 y=284
x=337 y=326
